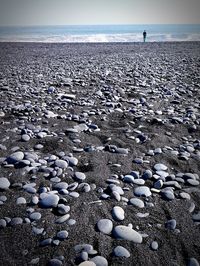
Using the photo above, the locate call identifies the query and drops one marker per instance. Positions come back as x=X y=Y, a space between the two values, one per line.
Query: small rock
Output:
x=120 y=251
x=105 y=226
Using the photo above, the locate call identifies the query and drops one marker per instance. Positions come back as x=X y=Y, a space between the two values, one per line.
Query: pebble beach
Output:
x=100 y=154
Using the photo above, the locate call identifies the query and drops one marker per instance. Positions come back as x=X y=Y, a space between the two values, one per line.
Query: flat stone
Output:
x=87 y=263
x=167 y=194
x=16 y=221
x=62 y=234
x=63 y=209
x=147 y=174
x=127 y=233
x=136 y=202
x=142 y=191
x=79 y=176
x=118 y=213
x=171 y=224
x=25 y=137
x=4 y=183
x=99 y=261
x=61 y=164
x=20 y=200
x=128 y=179
x=62 y=219
x=46 y=242
x=139 y=181
x=35 y=216
x=192 y=182
x=105 y=226
x=120 y=251
x=49 y=201
x=55 y=262
x=160 y=167
x=15 y=157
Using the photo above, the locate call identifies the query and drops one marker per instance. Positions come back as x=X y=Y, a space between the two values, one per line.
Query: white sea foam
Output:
x=99 y=38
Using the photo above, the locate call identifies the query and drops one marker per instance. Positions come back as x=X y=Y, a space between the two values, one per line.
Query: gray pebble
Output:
x=16 y=221
x=192 y=262
x=105 y=226
x=160 y=167
x=142 y=191
x=118 y=213
x=99 y=261
x=154 y=245
x=136 y=202
x=79 y=176
x=35 y=216
x=120 y=251
x=127 y=233
x=4 y=183
x=49 y=201
x=171 y=224
x=61 y=164
x=62 y=234
x=20 y=200
x=2 y=223
x=55 y=262
x=196 y=217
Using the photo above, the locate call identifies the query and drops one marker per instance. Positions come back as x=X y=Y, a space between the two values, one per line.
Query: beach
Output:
x=86 y=128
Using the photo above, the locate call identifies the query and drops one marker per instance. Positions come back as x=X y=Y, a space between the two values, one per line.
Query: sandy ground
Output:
x=125 y=90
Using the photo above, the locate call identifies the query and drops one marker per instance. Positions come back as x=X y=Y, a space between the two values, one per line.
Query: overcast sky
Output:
x=62 y=12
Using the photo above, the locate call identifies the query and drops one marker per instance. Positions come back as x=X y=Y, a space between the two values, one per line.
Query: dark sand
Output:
x=148 y=71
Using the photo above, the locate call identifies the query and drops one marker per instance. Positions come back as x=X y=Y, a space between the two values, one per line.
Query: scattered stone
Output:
x=99 y=261
x=105 y=226
x=118 y=213
x=4 y=183
x=127 y=233
x=120 y=251
x=142 y=191
x=49 y=201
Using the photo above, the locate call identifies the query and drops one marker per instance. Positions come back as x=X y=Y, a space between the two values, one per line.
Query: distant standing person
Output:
x=144 y=35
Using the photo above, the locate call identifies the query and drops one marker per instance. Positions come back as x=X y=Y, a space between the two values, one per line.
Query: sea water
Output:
x=101 y=33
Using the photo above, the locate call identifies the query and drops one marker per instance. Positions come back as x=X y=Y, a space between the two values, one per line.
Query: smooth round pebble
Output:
x=105 y=226
x=4 y=183
x=127 y=233
x=160 y=167
x=192 y=262
x=120 y=251
x=142 y=191
x=35 y=216
x=62 y=234
x=20 y=200
x=49 y=201
x=79 y=176
x=87 y=263
x=154 y=245
x=100 y=261
x=136 y=202
x=118 y=213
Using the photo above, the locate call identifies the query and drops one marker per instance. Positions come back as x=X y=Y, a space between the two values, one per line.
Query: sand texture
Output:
x=85 y=128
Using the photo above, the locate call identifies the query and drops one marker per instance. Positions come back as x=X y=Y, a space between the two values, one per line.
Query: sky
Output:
x=93 y=12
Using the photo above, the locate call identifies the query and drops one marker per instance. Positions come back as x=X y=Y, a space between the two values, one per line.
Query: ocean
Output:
x=101 y=33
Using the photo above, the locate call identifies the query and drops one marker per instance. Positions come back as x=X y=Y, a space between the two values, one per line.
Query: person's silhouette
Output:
x=144 y=35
